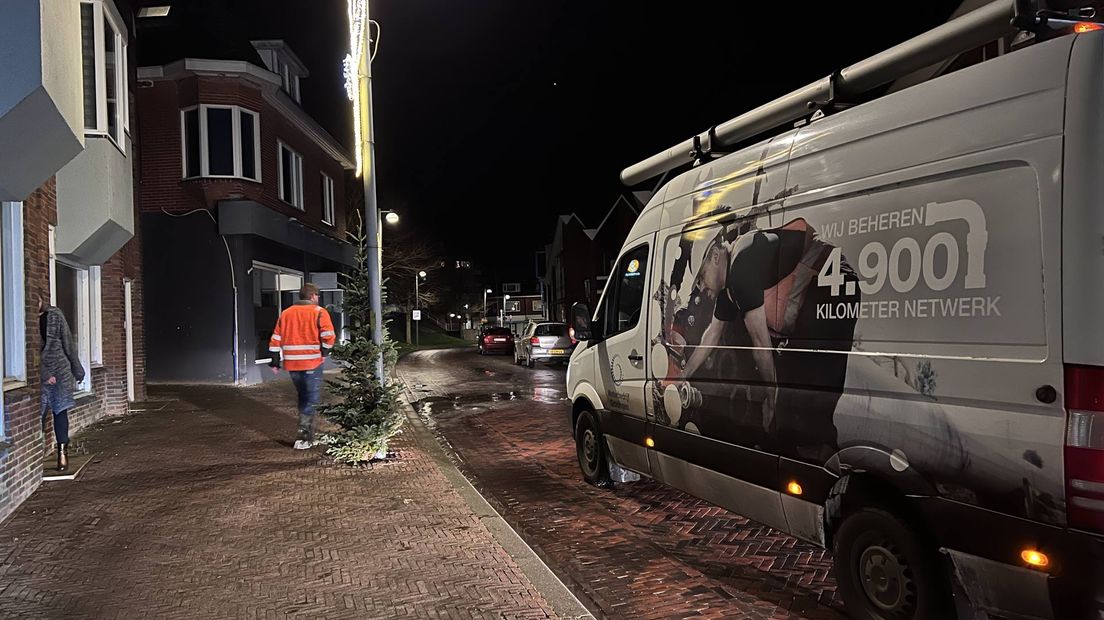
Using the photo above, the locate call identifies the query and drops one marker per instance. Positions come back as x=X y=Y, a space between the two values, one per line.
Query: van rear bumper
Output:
x=984 y=548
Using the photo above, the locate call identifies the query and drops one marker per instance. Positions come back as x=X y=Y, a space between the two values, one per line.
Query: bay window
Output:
x=104 y=70
x=221 y=141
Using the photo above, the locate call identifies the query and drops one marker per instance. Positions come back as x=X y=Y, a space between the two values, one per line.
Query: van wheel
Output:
x=885 y=570
x=591 y=449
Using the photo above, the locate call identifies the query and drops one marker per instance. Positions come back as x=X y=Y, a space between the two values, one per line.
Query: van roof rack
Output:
x=995 y=20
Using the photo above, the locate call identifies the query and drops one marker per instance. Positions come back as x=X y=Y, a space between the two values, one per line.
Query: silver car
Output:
x=544 y=342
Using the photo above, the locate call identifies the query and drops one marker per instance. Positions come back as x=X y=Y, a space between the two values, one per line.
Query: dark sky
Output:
x=494 y=116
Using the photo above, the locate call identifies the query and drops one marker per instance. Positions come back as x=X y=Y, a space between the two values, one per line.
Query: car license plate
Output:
x=500 y=340
x=557 y=351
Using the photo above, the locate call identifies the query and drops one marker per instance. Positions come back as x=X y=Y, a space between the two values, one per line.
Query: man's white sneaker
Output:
x=302 y=444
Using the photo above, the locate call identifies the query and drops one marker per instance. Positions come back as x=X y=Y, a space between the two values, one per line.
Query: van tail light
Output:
x=1085 y=447
x=534 y=341
x=1083 y=27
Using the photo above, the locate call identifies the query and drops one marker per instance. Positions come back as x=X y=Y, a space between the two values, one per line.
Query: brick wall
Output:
x=161 y=186
x=20 y=472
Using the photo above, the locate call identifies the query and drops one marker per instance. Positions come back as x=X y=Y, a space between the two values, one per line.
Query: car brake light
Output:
x=1085 y=447
x=571 y=334
x=534 y=341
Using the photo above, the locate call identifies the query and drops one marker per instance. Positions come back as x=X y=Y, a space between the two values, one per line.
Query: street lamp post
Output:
x=358 y=86
x=485 y=293
x=505 y=298
x=417 y=303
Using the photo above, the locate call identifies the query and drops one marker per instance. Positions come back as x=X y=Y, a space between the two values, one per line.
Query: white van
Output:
x=882 y=331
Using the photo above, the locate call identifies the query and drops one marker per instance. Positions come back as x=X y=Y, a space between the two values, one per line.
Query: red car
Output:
x=496 y=340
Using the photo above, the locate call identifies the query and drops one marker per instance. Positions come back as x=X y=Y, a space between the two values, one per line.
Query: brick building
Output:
x=580 y=259
x=242 y=200
x=69 y=232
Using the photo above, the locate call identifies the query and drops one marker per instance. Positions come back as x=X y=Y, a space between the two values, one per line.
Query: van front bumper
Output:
x=984 y=550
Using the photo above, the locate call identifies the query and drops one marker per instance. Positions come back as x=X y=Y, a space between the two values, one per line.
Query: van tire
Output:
x=885 y=570
x=590 y=448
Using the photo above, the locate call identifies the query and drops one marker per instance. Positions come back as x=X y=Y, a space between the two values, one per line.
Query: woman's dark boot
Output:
x=63 y=456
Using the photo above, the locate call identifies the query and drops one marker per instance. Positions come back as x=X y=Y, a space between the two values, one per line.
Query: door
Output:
x=621 y=358
x=129 y=327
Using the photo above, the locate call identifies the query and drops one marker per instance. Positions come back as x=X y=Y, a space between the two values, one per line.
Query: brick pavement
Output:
x=202 y=510
x=642 y=550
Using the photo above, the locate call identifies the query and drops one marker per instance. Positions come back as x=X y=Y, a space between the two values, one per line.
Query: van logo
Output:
x=690 y=320
x=616 y=372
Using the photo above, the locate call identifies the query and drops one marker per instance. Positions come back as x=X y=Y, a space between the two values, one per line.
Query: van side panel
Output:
x=1083 y=216
x=705 y=443
x=934 y=313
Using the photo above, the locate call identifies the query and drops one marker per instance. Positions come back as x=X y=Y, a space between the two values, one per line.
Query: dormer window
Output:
x=279 y=59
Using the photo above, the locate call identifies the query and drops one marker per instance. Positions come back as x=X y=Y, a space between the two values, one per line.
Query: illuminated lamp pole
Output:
x=358 y=86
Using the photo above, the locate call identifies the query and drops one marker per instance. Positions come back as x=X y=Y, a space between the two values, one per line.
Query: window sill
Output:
x=96 y=365
x=83 y=395
x=14 y=385
x=212 y=177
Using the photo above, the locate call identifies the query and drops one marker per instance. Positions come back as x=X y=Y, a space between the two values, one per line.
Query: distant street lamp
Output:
x=485 y=293
x=417 y=302
x=505 y=298
x=392 y=217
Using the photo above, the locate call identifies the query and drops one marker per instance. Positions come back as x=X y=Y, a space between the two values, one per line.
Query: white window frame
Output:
x=13 y=334
x=511 y=287
x=296 y=179
x=88 y=328
x=95 y=307
x=102 y=10
x=328 y=211
x=236 y=139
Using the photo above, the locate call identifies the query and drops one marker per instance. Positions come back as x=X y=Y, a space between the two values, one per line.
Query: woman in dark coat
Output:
x=61 y=372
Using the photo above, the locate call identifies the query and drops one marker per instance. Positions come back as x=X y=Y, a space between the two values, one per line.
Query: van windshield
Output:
x=552 y=329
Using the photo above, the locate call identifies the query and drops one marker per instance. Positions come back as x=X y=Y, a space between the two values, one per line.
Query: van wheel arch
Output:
x=854 y=491
x=580 y=405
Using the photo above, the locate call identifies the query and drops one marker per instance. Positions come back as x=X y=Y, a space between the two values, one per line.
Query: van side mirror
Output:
x=582 y=325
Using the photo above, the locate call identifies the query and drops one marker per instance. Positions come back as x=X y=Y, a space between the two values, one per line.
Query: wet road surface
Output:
x=640 y=550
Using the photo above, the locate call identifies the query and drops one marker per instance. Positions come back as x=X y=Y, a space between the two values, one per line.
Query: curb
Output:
x=564 y=603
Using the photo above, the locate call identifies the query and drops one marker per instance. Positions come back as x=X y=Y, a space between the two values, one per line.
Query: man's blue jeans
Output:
x=308 y=383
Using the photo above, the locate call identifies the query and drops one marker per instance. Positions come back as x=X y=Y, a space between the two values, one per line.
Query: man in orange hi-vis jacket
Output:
x=303 y=337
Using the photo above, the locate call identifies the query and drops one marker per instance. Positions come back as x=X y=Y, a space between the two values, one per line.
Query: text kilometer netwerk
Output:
x=912 y=309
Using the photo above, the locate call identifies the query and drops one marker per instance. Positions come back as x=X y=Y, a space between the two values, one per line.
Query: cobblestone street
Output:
x=642 y=550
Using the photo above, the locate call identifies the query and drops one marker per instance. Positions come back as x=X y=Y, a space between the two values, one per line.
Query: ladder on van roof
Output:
x=995 y=20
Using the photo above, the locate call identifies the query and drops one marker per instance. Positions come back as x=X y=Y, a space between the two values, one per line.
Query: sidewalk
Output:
x=202 y=509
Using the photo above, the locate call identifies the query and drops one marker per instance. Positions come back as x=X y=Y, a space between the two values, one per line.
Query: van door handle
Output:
x=635 y=357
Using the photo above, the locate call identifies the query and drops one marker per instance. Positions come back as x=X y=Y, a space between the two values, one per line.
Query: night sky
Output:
x=494 y=116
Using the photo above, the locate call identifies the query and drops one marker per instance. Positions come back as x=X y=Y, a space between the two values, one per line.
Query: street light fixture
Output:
x=485 y=293
x=417 y=302
x=391 y=217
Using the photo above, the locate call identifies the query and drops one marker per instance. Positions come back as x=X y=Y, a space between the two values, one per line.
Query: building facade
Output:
x=579 y=259
x=69 y=229
x=242 y=201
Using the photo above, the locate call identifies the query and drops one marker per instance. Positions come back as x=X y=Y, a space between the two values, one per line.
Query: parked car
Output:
x=496 y=340
x=544 y=342
x=880 y=330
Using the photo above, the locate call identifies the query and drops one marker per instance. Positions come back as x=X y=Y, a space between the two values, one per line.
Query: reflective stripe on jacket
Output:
x=303 y=335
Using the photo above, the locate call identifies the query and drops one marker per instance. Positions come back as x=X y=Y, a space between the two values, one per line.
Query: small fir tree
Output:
x=368 y=413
